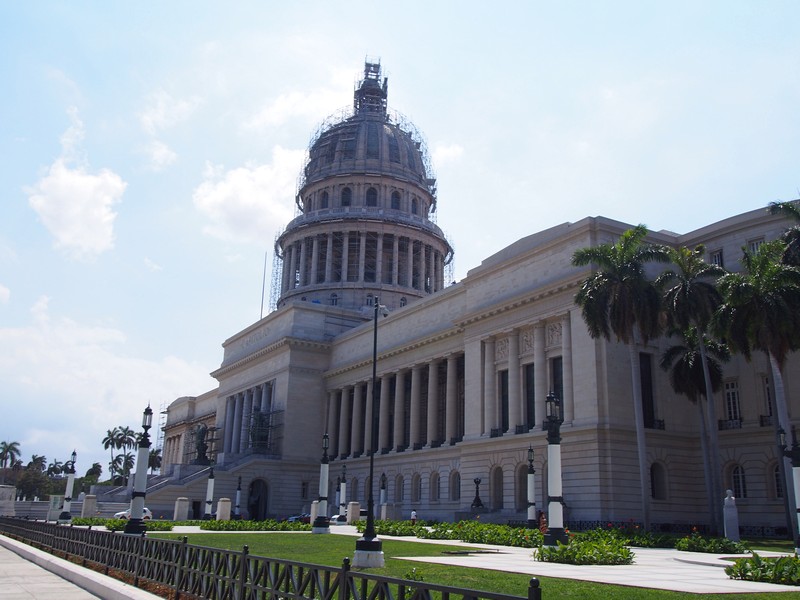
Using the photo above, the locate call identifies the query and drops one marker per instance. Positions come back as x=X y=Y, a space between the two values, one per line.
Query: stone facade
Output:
x=462 y=375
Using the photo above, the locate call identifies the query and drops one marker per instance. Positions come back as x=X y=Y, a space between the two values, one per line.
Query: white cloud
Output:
x=310 y=105
x=161 y=155
x=162 y=111
x=82 y=383
x=250 y=203
x=5 y=294
x=75 y=204
x=152 y=266
x=443 y=154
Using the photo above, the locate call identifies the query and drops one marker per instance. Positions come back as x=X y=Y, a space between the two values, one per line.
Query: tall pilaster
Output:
x=344 y=424
x=539 y=369
x=416 y=401
x=451 y=411
x=399 y=410
x=385 y=411
x=566 y=362
x=357 y=431
x=514 y=381
x=433 y=403
x=489 y=387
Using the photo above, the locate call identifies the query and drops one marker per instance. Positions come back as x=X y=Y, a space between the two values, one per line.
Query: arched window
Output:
x=347 y=196
x=658 y=481
x=334 y=300
x=777 y=482
x=455 y=485
x=414 y=206
x=416 y=488
x=738 y=482
x=496 y=488
x=395 y=200
x=399 y=489
x=323 y=200
x=403 y=301
x=521 y=487
x=434 y=487
x=372 y=197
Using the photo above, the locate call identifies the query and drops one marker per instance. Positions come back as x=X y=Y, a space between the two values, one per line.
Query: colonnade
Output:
x=363 y=257
x=173 y=449
x=418 y=407
x=240 y=409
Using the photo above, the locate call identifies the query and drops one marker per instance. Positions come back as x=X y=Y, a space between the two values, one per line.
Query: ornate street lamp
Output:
x=531 y=491
x=343 y=492
x=793 y=454
x=369 y=549
x=382 y=499
x=237 y=512
x=135 y=524
x=65 y=516
x=554 y=410
x=321 y=523
x=476 y=503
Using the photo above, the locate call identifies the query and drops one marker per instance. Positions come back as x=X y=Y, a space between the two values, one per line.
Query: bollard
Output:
x=534 y=591
x=243 y=572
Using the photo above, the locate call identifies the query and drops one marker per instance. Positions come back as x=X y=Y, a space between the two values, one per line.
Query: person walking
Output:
x=413 y=517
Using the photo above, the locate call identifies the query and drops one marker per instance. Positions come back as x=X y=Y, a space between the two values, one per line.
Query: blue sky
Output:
x=150 y=154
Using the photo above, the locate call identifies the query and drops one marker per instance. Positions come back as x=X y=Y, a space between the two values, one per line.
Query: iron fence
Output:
x=217 y=574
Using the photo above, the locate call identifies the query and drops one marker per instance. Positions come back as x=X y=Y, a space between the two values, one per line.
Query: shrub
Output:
x=607 y=551
x=784 y=570
x=242 y=525
x=697 y=543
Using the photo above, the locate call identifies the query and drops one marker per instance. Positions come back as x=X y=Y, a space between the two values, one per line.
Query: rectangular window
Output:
x=767 y=395
x=732 y=410
x=717 y=259
x=754 y=245
x=530 y=409
x=557 y=377
x=503 y=384
x=648 y=400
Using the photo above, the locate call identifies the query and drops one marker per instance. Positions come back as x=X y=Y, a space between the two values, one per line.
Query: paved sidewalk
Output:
x=28 y=573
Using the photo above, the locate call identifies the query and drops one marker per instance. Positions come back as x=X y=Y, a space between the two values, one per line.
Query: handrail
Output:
x=218 y=574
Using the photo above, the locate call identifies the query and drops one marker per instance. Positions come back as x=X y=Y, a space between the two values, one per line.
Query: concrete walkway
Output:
x=28 y=573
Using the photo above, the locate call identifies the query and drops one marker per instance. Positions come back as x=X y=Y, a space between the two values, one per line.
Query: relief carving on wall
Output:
x=554 y=334
x=501 y=349
x=526 y=341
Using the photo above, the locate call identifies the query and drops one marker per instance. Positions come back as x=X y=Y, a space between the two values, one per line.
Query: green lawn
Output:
x=330 y=550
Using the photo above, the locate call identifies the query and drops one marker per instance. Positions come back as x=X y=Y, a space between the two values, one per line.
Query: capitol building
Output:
x=463 y=368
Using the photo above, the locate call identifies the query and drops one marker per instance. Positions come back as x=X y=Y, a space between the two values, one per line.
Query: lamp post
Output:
x=369 y=549
x=793 y=454
x=555 y=508
x=65 y=516
x=237 y=511
x=135 y=524
x=321 y=524
x=209 y=496
x=342 y=492
x=382 y=499
x=531 y=491
x=476 y=503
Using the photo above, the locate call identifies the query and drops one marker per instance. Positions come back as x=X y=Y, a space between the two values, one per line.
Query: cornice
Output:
x=290 y=342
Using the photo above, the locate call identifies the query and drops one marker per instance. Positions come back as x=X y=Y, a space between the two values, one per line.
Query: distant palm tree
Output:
x=690 y=300
x=791 y=210
x=619 y=298
x=94 y=472
x=55 y=468
x=9 y=452
x=695 y=370
x=110 y=443
x=154 y=459
x=37 y=463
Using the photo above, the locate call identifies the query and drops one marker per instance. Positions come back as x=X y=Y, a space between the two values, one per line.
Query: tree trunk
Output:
x=717 y=494
x=783 y=422
x=641 y=441
x=707 y=469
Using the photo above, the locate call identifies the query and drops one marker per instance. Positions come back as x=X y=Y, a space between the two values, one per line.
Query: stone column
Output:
x=362 y=255
x=539 y=370
x=303 y=259
x=314 y=260
x=416 y=401
x=451 y=410
x=368 y=420
x=293 y=267
x=247 y=412
x=230 y=408
x=237 y=423
x=379 y=260
x=329 y=259
x=399 y=410
x=333 y=420
x=266 y=398
x=566 y=363
x=357 y=431
x=287 y=265
x=474 y=424
x=345 y=254
x=383 y=435
x=344 y=424
x=489 y=387
x=410 y=263
x=395 y=259
x=514 y=392
x=431 y=269
x=433 y=403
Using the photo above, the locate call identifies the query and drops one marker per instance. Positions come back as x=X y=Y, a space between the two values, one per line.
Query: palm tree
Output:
x=38 y=463
x=9 y=452
x=619 y=298
x=126 y=438
x=110 y=441
x=761 y=311
x=694 y=374
x=55 y=468
x=791 y=210
x=154 y=459
x=94 y=472
x=690 y=300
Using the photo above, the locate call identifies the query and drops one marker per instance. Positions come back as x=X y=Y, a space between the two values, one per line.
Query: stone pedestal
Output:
x=181 y=509
x=730 y=517
x=89 y=506
x=314 y=510
x=389 y=512
x=54 y=507
x=7 y=494
x=353 y=512
x=224 y=509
